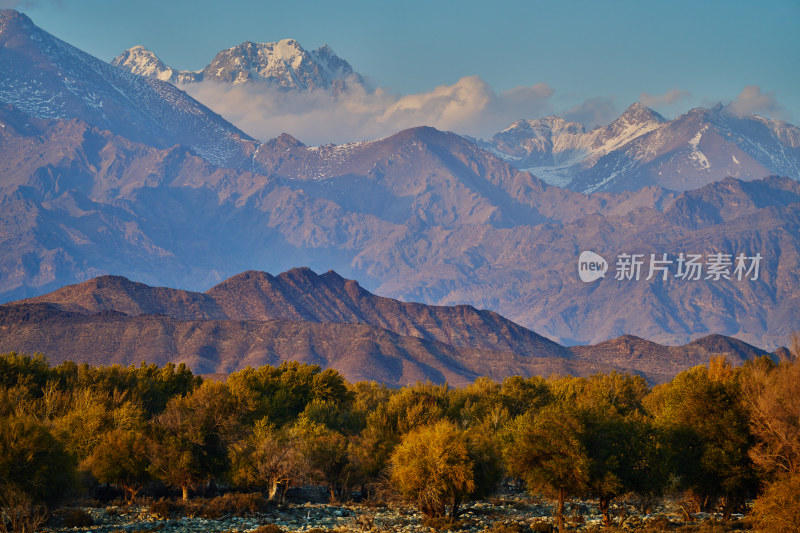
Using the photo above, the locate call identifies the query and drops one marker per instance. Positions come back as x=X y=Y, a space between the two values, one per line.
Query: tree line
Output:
x=717 y=434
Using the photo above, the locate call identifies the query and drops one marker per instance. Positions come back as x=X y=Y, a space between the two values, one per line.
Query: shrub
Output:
x=267 y=528
x=659 y=523
x=163 y=508
x=19 y=511
x=232 y=504
x=778 y=508
x=77 y=518
x=439 y=465
x=507 y=528
x=443 y=523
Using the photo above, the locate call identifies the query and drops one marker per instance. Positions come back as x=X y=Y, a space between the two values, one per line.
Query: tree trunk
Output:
x=273 y=489
x=687 y=515
x=454 y=512
x=605 y=503
x=130 y=492
x=185 y=490
x=727 y=508
x=560 y=513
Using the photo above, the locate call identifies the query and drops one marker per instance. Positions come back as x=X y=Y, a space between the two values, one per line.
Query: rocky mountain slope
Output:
x=254 y=319
x=301 y=295
x=48 y=78
x=284 y=64
x=422 y=215
x=641 y=148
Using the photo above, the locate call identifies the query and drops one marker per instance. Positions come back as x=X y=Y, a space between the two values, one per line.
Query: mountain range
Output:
x=422 y=215
x=255 y=318
x=638 y=149
x=641 y=148
x=284 y=64
x=47 y=78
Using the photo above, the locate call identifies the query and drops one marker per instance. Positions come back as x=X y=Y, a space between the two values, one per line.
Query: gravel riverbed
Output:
x=516 y=514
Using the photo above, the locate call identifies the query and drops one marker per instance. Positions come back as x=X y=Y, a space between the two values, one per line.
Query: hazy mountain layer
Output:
x=423 y=216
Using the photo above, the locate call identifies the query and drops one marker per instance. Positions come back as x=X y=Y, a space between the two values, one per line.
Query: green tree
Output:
x=281 y=393
x=625 y=455
x=191 y=436
x=707 y=425
x=519 y=395
x=545 y=449
x=120 y=458
x=28 y=371
x=623 y=449
x=32 y=461
x=327 y=458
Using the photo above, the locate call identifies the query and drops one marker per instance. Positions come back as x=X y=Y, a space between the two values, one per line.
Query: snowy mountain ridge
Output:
x=641 y=148
x=46 y=77
x=284 y=64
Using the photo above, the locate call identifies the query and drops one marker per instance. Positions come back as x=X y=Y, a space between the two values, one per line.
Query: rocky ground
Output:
x=507 y=514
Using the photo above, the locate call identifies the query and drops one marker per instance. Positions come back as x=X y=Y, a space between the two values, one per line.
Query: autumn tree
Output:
x=771 y=393
x=438 y=465
x=417 y=405
x=777 y=509
x=268 y=458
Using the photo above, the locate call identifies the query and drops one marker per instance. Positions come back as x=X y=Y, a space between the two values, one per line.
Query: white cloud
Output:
x=468 y=106
x=753 y=101
x=669 y=98
x=593 y=112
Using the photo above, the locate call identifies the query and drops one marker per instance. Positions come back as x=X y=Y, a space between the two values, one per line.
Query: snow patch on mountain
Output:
x=698 y=157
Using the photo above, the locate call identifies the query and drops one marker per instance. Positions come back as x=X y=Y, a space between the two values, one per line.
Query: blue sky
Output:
x=595 y=57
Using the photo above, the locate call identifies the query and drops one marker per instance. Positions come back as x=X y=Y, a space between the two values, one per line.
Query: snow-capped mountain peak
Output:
x=284 y=64
x=637 y=113
x=637 y=120
x=139 y=60
x=143 y=62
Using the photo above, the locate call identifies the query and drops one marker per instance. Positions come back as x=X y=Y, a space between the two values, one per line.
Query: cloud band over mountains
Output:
x=469 y=106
